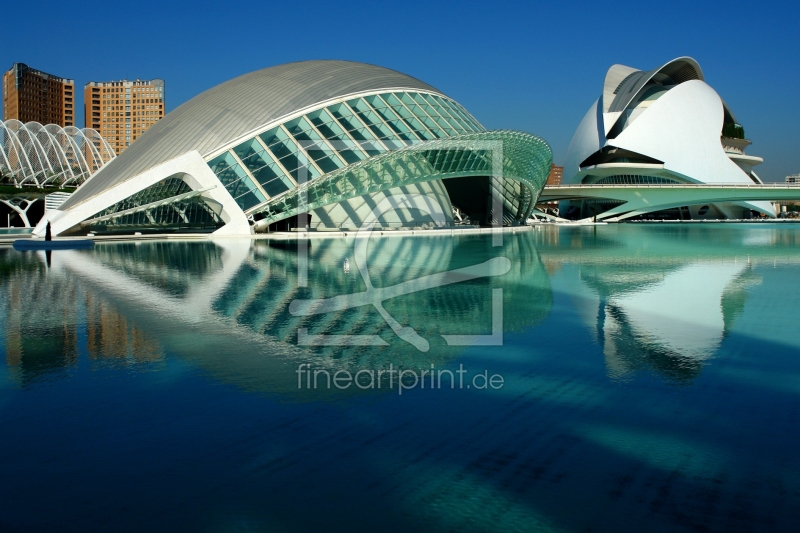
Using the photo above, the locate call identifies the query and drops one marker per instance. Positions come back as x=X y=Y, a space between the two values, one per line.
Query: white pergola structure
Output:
x=36 y=155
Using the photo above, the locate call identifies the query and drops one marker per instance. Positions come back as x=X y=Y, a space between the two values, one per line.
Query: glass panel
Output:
x=270 y=173
x=527 y=157
x=420 y=113
x=253 y=155
x=375 y=101
x=452 y=118
x=356 y=130
x=247 y=148
x=271 y=137
x=373 y=122
x=237 y=182
x=162 y=190
x=221 y=162
x=278 y=185
x=231 y=174
x=452 y=122
x=399 y=127
x=287 y=152
x=415 y=125
x=345 y=116
x=246 y=184
x=248 y=200
x=339 y=140
x=314 y=146
x=429 y=109
x=466 y=116
x=267 y=173
x=434 y=114
x=456 y=111
x=299 y=126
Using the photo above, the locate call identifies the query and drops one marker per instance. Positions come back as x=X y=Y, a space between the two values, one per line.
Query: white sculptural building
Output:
x=662 y=126
x=326 y=140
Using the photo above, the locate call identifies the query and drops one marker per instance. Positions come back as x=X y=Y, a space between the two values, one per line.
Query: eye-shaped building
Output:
x=330 y=139
x=661 y=126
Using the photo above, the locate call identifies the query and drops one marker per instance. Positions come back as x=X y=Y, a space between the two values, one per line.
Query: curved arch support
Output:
x=521 y=160
x=36 y=152
x=16 y=204
x=50 y=152
x=78 y=158
x=63 y=147
x=87 y=148
x=26 y=165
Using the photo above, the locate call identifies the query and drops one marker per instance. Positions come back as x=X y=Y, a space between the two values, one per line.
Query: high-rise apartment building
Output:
x=122 y=110
x=556 y=173
x=32 y=95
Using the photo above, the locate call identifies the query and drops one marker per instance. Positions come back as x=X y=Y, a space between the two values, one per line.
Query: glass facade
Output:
x=331 y=138
x=184 y=213
x=524 y=167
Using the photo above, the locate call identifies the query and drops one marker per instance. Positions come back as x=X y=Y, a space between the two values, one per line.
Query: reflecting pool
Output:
x=600 y=378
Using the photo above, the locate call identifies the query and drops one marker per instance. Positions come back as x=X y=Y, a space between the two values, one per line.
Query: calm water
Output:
x=650 y=382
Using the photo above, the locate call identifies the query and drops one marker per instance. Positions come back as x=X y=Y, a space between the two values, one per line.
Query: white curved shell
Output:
x=682 y=129
x=588 y=138
x=680 y=126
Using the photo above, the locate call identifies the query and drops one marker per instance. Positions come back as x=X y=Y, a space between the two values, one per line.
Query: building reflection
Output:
x=661 y=299
x=654 y=300
x=224 y=305
x=670 y=320
x=110 y=336
x=47 y=316
x=40 y=334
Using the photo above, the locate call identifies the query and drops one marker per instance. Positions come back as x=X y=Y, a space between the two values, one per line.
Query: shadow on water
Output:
x=590 y=431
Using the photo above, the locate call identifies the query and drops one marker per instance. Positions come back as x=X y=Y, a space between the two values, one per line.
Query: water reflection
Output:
x=47 y=318
x=654 y=299
x=224 y=305
x=662 y=299
x=560 y=448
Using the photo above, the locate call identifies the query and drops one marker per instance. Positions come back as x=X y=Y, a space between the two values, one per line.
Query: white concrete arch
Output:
x=46 y=155
x=6 y=145
x=87 y=147
x=103 y=147
x=64 y=149
x=50 y=152
x=25 y=170
x=77 y=157
x=36 y=153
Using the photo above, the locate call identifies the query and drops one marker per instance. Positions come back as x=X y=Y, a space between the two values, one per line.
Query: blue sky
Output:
x=534 y=66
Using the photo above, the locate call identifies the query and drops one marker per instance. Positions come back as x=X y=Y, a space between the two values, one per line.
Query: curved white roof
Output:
x=234 y=108
x=678 y=71
x=614 y=78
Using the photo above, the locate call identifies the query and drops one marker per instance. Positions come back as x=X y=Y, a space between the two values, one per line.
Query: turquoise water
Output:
x=650 y=379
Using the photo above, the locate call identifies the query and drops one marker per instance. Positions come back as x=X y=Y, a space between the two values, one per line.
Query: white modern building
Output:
x=656 y=127
x=313 y=143
x=37 y=155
